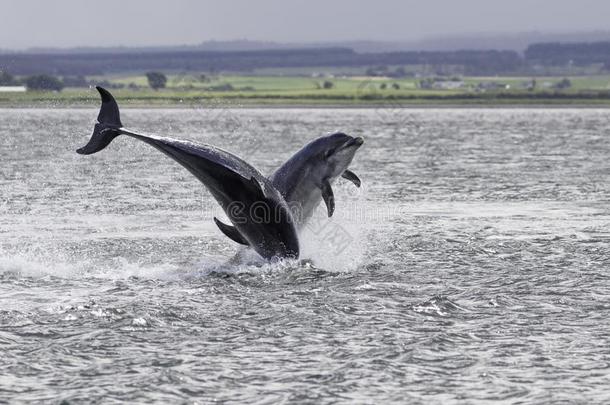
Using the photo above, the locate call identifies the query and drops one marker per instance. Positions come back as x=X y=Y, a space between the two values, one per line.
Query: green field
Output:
x=189 y=90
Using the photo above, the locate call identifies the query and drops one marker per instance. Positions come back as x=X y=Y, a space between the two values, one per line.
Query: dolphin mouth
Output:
x=357 y=142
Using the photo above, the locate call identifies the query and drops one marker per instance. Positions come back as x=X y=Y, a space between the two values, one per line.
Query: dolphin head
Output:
x=333 y=153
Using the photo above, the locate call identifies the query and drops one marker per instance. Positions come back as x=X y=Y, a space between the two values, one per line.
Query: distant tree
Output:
x=383 y=86
x=371 y=72
x=378 y=71
x=563 y=84
x=396 y=86
x=44 y=82
x=156 y=80
x=399 y=73
x=426 y=83
x=7 y=79
x=531 y=85
x=328 y=84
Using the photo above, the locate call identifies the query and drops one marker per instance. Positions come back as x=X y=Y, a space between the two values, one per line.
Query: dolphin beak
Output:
x=354 y=142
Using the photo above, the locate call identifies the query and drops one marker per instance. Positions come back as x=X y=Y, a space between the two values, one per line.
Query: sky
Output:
x=71 y=23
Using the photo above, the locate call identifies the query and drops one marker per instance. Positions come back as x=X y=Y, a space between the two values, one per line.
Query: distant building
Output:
x=12 y=89
x=529 y=85
x=484 y=86
x=448 y=84
x=439 y=84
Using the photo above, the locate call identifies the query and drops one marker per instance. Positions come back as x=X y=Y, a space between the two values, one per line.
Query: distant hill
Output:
x=476 y=41
x=579 y=54
x=221 y=46
x=514 y=42
x=461 y=55
x=473 y=62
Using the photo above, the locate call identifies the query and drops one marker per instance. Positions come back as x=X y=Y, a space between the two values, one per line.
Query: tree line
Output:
x=44 y=82
x=473 y=62
x=561 y=54
x=477 y=62
x=34 y=82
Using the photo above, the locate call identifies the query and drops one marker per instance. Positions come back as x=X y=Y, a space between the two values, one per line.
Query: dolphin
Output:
x=306 y=178
x=260 y=215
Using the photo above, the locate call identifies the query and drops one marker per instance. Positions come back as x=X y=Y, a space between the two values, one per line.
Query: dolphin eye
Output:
x=329 y=153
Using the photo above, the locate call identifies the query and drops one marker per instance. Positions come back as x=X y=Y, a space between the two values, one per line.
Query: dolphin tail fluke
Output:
x=107 y=127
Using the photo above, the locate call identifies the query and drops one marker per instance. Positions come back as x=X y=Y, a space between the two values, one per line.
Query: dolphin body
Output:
x=260 y=216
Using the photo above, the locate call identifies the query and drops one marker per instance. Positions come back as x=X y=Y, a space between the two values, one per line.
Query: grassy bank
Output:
x=223 y=91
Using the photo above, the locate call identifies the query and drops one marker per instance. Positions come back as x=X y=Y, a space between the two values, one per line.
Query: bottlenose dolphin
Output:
x=305 y=179
x=260 y=215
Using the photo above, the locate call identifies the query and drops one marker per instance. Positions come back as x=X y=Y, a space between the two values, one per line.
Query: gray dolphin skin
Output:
x=260 y=216
x=306 y=178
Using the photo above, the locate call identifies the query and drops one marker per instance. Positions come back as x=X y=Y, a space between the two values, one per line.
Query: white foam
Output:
x=22 y=264
x=28 y=267
x=120 y=268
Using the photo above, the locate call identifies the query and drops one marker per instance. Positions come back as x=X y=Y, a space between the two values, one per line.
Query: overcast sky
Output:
x=68 y=23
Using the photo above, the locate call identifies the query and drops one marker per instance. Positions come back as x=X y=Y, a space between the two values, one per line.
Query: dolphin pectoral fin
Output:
x=351 y=176
x=328 y=196
x=231 y=232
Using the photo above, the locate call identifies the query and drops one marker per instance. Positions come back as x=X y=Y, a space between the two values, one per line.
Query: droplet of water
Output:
x=139 y=322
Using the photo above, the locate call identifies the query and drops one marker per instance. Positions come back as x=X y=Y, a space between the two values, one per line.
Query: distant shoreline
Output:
x=603 y=104
x=222 y=91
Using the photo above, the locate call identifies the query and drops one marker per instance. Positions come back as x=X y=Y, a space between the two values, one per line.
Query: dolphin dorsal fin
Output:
x=328 y=196
x=351 y=176
x=231 y=232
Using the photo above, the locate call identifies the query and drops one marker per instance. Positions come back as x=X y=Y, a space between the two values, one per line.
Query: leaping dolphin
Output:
x=305 y=180
x=260 y=215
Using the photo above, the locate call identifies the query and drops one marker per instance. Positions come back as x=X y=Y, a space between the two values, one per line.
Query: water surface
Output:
x=472 y=266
